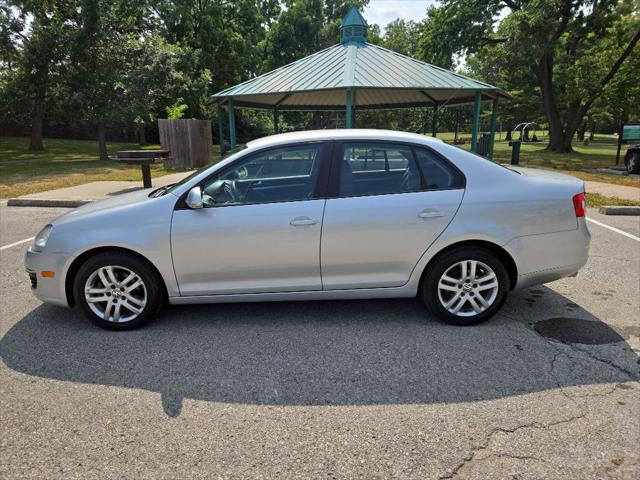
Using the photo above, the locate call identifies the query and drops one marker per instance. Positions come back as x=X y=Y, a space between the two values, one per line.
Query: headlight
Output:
x=40 y=241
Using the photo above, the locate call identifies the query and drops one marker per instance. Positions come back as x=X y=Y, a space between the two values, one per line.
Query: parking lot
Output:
x=360 y=389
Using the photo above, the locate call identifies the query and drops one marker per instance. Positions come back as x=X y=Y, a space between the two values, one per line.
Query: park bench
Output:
x=144 y=158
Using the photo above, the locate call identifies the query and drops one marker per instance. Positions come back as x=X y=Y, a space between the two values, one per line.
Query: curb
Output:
x=635 y=211
x=37 y=202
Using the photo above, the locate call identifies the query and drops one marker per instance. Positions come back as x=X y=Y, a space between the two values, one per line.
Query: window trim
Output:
x=319 y=190
x=338 y=154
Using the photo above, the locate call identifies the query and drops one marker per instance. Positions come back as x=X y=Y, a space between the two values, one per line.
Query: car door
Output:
x=260 y=228
x=391 y=202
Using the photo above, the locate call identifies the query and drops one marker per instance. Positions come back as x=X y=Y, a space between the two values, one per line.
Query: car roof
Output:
x=341 y=134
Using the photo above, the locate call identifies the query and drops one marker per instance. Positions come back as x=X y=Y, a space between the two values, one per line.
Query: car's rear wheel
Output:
x=465 y=286
x=633 y=162
x=118 y=291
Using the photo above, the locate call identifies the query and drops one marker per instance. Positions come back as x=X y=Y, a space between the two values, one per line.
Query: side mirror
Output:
x=194 y=198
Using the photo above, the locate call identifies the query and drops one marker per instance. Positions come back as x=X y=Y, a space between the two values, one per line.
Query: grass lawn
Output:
x=72 y=162
x=597 y=200
x=64 y=163
x=534 y=155
x=583 y=157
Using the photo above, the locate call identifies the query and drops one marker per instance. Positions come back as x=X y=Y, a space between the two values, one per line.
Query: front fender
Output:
x=143 y=228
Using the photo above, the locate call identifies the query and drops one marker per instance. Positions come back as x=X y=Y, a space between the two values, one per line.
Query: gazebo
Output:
x=357 y=75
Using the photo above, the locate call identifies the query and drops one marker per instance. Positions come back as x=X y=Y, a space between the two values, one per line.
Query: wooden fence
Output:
x=189 y=142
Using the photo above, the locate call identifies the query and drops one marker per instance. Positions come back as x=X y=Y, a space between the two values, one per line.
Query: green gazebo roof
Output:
x=378 y=78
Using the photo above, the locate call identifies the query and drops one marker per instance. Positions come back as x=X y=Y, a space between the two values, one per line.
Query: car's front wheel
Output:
x=118 y=291
x=465 y=286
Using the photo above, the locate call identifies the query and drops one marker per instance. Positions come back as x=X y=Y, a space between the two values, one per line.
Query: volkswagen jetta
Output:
x=332 y=214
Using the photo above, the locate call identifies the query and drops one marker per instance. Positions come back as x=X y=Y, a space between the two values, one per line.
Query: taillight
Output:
x=579 y=204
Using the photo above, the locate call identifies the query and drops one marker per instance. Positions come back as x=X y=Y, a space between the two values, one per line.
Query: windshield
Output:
x=174 y=186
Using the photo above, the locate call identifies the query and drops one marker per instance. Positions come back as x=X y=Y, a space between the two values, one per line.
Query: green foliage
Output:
x=176 y=111
x=556 y=57
x=89 y=65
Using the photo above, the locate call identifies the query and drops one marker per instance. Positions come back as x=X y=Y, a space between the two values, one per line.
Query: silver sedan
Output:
x=342 y=214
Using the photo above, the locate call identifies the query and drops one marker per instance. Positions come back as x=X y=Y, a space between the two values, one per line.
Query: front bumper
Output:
x=49 y=290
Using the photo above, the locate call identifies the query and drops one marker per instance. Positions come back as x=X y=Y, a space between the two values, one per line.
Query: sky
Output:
x=384 y=11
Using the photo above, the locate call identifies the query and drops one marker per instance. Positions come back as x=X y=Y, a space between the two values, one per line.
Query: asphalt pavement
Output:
x=360 y=389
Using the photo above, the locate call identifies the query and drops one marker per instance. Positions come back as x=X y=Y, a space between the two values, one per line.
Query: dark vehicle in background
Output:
x=632 y=159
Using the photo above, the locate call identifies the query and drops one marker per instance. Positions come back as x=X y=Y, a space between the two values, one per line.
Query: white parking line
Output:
x=613 y=229
x=14 y=244
x=609 y=227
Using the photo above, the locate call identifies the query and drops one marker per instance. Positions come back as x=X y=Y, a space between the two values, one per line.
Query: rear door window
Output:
x=377 y=169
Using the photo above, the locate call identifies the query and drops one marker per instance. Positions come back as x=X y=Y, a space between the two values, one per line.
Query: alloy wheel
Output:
x=468 y=288
x=115 y=294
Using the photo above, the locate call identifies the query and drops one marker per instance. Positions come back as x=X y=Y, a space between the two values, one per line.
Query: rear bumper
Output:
x=550 y=256
x=49 y=290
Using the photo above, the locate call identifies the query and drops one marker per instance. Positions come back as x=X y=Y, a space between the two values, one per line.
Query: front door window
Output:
x=283 y=175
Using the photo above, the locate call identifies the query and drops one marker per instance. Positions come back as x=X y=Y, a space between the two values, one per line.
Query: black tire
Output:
x=632 y=162
x=446 y=260
x=153 y=286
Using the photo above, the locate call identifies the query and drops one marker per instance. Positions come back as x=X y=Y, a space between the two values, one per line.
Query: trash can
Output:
x=515 y=151
x=483 y=145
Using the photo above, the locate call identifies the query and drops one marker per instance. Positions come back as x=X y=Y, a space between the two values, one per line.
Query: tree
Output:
x=295 y=34
x=569 y=50
x=225 y=37
x=402 y=36
x=104 y=43
x=158 y=73
x=36 y=49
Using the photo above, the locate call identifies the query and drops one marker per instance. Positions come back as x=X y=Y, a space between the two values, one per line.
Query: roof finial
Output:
x=354 y=27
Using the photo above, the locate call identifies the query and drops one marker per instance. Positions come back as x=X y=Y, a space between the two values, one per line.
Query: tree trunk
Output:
x=582 y=130
x=102 y=142
x=142 y=138
x=37 y=119
x=558 y=141
x=562 y=135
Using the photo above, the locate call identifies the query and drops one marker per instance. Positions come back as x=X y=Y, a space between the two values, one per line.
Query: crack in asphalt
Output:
x=588 y=353
x=629 y=373
x=536 y=425
x=563 y=390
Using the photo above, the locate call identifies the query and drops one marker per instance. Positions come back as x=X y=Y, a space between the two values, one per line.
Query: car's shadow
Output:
x=314 y=353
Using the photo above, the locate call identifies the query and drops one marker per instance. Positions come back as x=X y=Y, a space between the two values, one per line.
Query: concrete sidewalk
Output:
x=611 y=190
x=88 y=192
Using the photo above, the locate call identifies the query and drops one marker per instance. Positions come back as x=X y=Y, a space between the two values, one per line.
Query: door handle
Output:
x=302 y=221
x=430 y=213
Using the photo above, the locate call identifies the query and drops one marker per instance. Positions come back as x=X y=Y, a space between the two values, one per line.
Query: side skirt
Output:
x=353 y=294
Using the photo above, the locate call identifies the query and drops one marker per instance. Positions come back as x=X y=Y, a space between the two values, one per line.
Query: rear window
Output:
x=438 y=173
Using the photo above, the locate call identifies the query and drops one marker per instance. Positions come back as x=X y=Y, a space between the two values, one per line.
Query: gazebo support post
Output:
x=434 y=123
x=232 y=124
x=276 y=128
x=476 y=121
x=349 y=112
x=455 y=132
x=221 y=129
x=494 y=113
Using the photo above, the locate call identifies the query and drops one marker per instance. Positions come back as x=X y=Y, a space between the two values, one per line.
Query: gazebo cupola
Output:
x=354 y=27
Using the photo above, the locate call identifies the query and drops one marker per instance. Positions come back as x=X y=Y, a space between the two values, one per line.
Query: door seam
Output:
x=324 y=208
